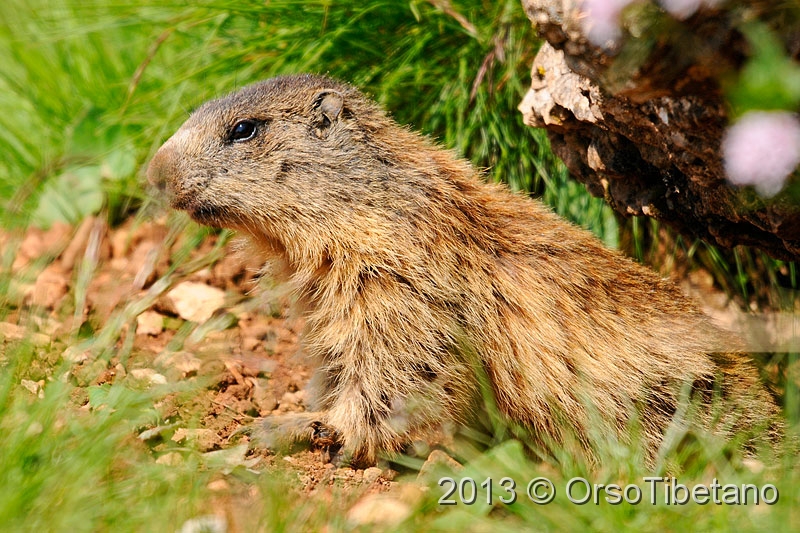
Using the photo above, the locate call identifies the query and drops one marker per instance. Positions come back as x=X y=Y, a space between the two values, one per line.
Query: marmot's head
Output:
x=294 y=148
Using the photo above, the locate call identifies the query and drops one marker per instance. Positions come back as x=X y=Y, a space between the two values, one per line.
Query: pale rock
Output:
x=149 y=323
x=196 y=301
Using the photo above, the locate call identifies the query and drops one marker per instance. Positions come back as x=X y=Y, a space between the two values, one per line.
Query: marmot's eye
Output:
x=244 y=130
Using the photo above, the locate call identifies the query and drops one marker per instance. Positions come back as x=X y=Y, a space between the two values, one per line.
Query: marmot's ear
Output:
x=329 y=104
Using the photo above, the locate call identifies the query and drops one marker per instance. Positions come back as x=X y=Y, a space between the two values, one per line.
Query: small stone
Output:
x=204 y=439
x=379 y=509
x=196 y=301
x=50 y=287
x=184 y=362
x=344 y=473
x=218 y=485
x=753 y=465
x=35 y=387
x=15 y=332
x=292 y=401
x=155 y=432
x=120 y=241
x=150 y=375
x=263 y=399
x=437 y=461
x=74 y=355
x=170 y=459
x=34 y=429
x=250 y=344
x=267 y=366
x=149 y=323
x=38 y=243
x=371 y=475
x=205 y=524
x=254 y=366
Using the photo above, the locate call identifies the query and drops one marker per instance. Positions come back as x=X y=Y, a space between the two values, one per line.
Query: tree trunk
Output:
x=642 y=127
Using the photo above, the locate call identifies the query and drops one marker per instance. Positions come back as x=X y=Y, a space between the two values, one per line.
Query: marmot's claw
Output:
x=326 y=439
x=280 y=432
x=324 y=435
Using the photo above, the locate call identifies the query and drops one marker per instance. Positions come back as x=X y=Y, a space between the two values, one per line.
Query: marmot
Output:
x=417 y=277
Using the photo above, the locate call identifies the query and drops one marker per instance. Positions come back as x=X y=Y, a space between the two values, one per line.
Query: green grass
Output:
x=88 y=91
x=63 y=469
x=751 y=278
x=70 y=469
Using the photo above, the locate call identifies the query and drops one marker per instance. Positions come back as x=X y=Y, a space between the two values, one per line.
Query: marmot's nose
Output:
x=160 y=168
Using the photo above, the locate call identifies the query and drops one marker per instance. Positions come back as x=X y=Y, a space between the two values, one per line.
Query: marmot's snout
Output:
x=164 y=172
x=158 y=169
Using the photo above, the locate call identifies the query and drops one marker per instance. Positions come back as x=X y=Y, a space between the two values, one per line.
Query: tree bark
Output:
x=642 y=129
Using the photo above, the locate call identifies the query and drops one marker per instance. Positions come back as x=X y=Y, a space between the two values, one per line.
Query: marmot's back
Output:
x=412 y=270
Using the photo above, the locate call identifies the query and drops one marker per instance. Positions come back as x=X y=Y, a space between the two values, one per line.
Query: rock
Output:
x=218 y=485
x=120 y=242
x=35 y=387
x=50 y=287
x=643 y=131
x=379 y=509
x=107 y=289
x=196 y=301
x=257 y=366
x=205 y=524
x=34 y=429
x=293 y=401
x=38 y=243
x=263 y=398
x=250 y=344
x=184 y=363
x=149 y=323
x=74 y=354
x=753 y=465
x=149 y=375
x=371 y=475
x=170 y=459
x=204 y=439
x=228 y=459
x=436 y=462
x=15 y=332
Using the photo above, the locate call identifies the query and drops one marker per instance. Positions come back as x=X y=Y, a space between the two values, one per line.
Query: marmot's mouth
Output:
x=181 y=202
x=208 y=215
x=205 y=213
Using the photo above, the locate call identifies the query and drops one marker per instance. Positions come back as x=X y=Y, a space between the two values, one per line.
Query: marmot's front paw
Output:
x=326 y=439
x=279 y=433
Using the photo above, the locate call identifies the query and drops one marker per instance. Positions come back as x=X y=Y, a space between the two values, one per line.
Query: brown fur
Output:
x=412 y=270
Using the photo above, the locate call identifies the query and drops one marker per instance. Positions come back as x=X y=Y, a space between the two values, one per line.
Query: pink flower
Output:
x=681 y=9
x=762 y=149
x=600 y=21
